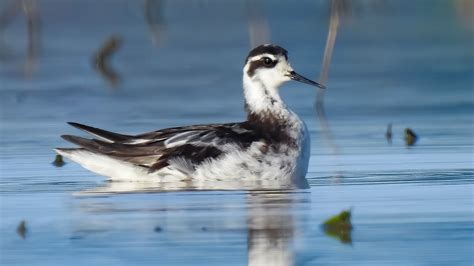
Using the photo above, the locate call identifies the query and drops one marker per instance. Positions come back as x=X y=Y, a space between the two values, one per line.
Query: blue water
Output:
x=403 y=62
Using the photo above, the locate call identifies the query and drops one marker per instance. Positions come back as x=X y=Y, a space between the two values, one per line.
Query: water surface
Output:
x=396 y=61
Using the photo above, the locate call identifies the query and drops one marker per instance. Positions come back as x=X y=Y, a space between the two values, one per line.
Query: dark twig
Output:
x=323 y=77
x=101 y=59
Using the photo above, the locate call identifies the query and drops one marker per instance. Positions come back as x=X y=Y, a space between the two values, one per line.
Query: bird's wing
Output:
x=102 y=134
x=187 y=146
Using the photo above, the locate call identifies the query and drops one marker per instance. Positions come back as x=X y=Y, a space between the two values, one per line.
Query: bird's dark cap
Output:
x=267 y=49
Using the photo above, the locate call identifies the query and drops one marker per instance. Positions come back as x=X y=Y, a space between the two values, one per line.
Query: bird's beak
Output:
x=295 y=76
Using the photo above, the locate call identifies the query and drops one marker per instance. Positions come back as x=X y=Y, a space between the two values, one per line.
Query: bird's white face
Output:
x=268 y=65
x=266 y=68
x=271 y=70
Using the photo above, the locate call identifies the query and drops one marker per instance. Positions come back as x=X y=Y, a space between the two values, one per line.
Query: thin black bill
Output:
x=297 y=77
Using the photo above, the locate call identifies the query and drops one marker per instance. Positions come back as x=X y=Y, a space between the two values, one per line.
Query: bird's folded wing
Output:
x=189 y=146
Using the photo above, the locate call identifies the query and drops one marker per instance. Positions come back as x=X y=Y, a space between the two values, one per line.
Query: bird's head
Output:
x=268 y=64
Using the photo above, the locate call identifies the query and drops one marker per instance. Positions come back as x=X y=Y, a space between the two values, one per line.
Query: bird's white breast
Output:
x=278 y=163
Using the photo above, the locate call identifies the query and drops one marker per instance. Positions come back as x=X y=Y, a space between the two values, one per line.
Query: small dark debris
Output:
x=388 y=133
x=339 y=227
x=158 y=229
x=58 y=161
x=21 y=229
x=204 y=229
x=410 y=137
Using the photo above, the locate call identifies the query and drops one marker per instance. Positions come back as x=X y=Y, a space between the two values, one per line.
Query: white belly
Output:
x=280 y=163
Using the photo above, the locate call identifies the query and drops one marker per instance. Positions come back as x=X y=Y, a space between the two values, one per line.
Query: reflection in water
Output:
x=113 y=187
x=269 y=225
x=270 y=229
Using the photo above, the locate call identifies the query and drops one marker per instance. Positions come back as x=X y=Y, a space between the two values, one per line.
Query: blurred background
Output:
x=136 y=66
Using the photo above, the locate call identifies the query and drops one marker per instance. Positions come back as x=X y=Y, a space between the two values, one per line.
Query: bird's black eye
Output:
x=267 y=61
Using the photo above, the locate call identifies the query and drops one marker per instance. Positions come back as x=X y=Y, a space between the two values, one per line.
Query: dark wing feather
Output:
x=102 y=134
x=158 y=149
x=114 y=149
x=192 y=153
x=170 y=132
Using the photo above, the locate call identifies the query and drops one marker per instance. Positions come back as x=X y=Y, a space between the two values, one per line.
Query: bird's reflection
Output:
x=119 y=187
x=267 y=217
x=270 y=226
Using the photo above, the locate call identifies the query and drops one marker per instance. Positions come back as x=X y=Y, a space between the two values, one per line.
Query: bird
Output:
x=272 y=145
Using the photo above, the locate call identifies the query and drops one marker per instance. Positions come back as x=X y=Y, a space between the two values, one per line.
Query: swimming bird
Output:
x=272 y=145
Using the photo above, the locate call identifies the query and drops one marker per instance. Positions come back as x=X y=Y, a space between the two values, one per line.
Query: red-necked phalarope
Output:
x=272 y=145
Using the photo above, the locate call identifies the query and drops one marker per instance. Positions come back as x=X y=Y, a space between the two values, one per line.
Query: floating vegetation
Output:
x=339 y=227
x=388 y=133
x=410 y=137
x=101 y=59
x=58 y=161
x=21 y=229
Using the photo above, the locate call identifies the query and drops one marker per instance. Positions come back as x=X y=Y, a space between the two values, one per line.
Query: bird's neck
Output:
x=264 y=104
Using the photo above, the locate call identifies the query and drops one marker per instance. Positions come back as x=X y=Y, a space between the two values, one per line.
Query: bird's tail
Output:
x=103 y=165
